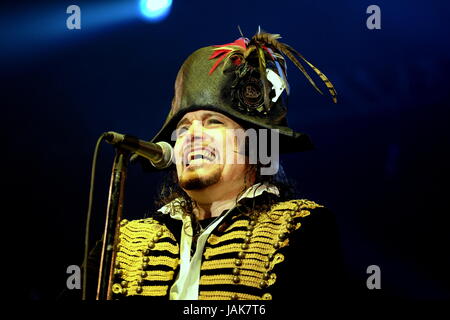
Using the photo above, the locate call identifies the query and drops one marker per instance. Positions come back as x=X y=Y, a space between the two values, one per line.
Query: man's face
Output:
x=206 y=151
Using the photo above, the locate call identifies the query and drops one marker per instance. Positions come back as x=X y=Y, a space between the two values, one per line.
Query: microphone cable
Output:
x=89 y=214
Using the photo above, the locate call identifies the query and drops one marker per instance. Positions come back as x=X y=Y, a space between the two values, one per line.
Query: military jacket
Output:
x=289 y=251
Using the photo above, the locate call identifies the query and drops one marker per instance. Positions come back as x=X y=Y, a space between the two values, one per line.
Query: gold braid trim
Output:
x=226 y=295
x=232 y=247
x=239 y=223
x=210 y=258
x=248 y=263
x=156 y=275
x=295 y=205
x=283 y=219
x=213 y=239
x=134 y=240
x=132 y=248
x=148 y=291
x=247 y=280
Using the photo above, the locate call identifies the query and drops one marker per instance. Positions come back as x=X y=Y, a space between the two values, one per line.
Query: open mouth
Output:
x=198 y=156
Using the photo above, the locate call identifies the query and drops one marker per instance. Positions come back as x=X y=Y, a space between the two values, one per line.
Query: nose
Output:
x=195 y=131
x=196 y=125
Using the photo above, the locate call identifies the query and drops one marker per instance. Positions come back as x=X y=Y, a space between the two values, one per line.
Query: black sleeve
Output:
x=313 y=267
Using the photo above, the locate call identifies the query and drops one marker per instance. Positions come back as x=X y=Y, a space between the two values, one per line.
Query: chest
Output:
x=238 y=259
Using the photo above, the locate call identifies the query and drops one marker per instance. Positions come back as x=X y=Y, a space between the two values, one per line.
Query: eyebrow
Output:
x=185 y=120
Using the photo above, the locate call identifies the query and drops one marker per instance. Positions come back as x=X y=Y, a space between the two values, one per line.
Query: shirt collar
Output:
x=254 y=191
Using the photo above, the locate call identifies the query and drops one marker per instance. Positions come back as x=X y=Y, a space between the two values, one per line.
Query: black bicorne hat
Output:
x=243 y=80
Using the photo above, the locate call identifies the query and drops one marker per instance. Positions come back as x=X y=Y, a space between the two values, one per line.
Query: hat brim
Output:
x=289 y=140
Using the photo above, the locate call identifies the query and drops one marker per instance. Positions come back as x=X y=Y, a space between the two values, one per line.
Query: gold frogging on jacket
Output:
x=242 y=257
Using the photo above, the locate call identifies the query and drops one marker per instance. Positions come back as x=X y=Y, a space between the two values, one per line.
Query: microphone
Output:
x=159 y=154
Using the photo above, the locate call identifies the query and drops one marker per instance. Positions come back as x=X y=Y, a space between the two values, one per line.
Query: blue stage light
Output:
x=155 y=10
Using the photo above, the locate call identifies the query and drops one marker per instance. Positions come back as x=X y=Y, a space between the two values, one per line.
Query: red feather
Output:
x=239 y=42
x=216 y=64
x=218 y=53
x=221 y=54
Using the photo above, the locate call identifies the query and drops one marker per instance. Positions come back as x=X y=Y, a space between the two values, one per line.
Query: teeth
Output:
x=200 y=154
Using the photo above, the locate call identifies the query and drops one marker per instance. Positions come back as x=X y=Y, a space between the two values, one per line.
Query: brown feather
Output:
x=324 y=78
x=264 y=38
x=263 y=77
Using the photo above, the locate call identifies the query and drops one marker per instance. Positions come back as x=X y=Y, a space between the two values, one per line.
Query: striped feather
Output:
x=324 y=78
x=271 y=40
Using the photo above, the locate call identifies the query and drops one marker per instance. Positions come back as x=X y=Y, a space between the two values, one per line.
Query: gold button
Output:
x=263 y=284
x=235 y=297
x=124 y=283
x=236 y=271
x=236 y=279
x=276 y=245
x=266 y=276
x=146 y=259
x=267 y=296
x=116 y=288
x=143 y=274
x=244 y=246
x=249 y=234
x=247 y=240
x=139 y=289
x=151 y=245
x=159 y=234
x=241 y=255
x=238 y=262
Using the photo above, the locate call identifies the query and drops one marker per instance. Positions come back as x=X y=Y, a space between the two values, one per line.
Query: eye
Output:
x=214 y=121
x=181 y=130
x=183 y=126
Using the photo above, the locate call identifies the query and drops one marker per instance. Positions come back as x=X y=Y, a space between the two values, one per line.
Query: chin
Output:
x=197 y=178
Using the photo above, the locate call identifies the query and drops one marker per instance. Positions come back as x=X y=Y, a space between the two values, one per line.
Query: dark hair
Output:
x=170 y=190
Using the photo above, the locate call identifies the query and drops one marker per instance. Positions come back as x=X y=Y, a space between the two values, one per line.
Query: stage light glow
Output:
x=155 y=10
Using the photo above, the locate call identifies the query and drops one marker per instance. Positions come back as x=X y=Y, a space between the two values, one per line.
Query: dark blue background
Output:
x=381 y=158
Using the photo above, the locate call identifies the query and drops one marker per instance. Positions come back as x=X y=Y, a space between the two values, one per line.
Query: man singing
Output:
x=229 y=226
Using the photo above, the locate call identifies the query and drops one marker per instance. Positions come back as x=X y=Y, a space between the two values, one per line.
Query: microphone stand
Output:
x=113 y=217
